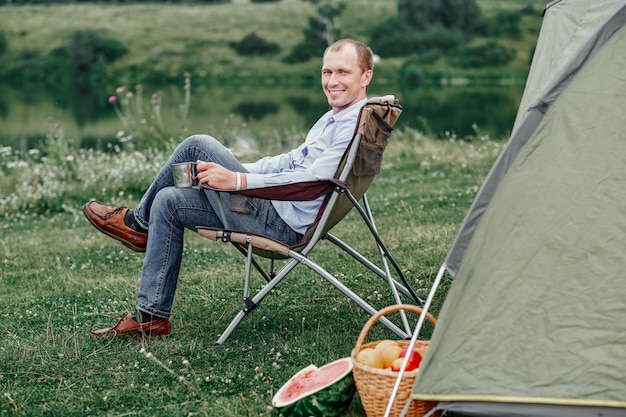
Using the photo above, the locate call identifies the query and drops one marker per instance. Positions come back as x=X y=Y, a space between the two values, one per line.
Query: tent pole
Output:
x=416 y=333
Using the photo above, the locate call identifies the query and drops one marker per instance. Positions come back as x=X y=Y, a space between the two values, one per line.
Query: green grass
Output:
x=60 y=278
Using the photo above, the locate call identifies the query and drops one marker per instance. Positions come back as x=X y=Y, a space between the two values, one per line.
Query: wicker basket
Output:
x=376 y=385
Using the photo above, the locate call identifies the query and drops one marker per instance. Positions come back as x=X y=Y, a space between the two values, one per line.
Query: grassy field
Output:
x=61 y=278
x=173 y=38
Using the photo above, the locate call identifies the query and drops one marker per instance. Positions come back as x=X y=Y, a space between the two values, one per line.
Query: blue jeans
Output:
x=166 y=211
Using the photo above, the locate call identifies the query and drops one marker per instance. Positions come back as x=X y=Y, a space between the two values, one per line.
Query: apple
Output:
x=415 y=358
x=397 y=364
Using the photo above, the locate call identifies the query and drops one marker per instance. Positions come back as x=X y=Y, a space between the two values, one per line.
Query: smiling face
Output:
x=343 y=80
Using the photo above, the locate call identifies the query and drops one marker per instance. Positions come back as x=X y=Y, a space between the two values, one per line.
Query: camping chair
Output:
x=360 y=163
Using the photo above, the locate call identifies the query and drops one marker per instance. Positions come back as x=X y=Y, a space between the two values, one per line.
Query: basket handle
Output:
x=384 y=311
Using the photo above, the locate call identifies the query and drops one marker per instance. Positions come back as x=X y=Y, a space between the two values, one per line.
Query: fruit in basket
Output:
x=313 y=391
x=384 y=344
x=370 y=357
x=397 y=365
x=389 y=353
x=415 y=358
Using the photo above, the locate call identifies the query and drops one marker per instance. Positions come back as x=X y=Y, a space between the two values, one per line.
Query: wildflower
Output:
x=57 y=126
x=129 y=94
x=120 y=89
x=155 y=97
x=112 y=99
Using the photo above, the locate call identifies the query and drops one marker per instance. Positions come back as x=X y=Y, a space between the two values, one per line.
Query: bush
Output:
x=439 y=38
x=84 y=61
x=397 y=38
x=95 y=45
x=302 y=52
x=490 y=54
x=529 y=10
x=314 y=43
x=463 y=15
x=507 y=24
x=252 y=45
x=392 y=37
x=3 y=43
x=411 y=74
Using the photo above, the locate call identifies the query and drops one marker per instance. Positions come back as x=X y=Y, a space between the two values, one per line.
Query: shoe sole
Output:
x=135 y=335
x=111 y=235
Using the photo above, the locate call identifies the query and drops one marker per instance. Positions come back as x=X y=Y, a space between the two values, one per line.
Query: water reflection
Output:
x=256 y=110
x=230 y=113
x=464 y=111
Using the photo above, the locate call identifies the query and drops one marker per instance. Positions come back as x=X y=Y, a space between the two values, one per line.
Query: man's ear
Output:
x=367 y=78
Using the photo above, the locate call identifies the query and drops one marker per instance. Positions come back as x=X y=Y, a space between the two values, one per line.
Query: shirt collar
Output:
x=355 y=108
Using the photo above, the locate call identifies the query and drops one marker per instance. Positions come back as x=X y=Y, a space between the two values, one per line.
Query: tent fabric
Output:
x=534 y=114
x=566 y=26
x=535 y=314
x=523 y=410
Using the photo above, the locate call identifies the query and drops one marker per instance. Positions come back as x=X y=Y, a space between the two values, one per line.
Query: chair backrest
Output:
x=362 y=160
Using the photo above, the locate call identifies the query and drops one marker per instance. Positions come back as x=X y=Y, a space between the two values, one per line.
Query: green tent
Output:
x=534 y=323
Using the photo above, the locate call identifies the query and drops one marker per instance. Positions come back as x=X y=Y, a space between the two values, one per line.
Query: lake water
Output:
x=26 y=118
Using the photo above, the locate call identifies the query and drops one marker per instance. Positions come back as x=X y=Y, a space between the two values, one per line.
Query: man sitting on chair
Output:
x=157 y=224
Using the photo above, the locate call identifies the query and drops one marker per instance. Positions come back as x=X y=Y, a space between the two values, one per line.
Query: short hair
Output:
x=364 y=54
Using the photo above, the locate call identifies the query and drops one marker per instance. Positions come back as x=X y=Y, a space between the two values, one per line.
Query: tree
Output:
x=464 y=15
x=3 y=43
x=252 y=44
x=320 y=33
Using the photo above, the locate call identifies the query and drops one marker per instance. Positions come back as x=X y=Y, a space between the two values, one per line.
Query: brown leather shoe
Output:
x=128 y=326
x=110 y=221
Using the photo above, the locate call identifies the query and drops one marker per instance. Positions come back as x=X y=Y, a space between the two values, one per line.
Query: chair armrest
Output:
x=299 y=191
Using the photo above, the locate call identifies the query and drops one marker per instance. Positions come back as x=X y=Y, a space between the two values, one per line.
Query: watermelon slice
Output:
x=313 y=391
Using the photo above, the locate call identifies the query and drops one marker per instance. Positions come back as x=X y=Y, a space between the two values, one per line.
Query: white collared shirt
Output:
x=317 y=158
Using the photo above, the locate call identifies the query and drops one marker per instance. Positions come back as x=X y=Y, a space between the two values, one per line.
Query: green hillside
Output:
x=166 y=40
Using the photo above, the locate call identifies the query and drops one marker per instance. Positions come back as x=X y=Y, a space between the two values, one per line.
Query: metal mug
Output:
x=183 y=173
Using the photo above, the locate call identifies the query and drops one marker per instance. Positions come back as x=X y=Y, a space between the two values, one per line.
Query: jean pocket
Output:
x=240 y=204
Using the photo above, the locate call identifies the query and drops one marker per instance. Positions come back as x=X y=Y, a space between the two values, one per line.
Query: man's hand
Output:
x=218 y=177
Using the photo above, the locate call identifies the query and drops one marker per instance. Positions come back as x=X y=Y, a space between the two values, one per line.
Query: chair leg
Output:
x=255 y=264
x=366 y=215
x=251 y=303
x=296 y=259
x=350 y=294
x=369 y=264
x=383 y=252
x=231 y=327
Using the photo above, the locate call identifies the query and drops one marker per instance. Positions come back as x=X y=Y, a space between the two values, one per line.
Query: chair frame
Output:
x=252 y=245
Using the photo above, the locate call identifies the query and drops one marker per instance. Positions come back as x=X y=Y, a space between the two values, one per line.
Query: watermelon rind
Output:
x=329 y=401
